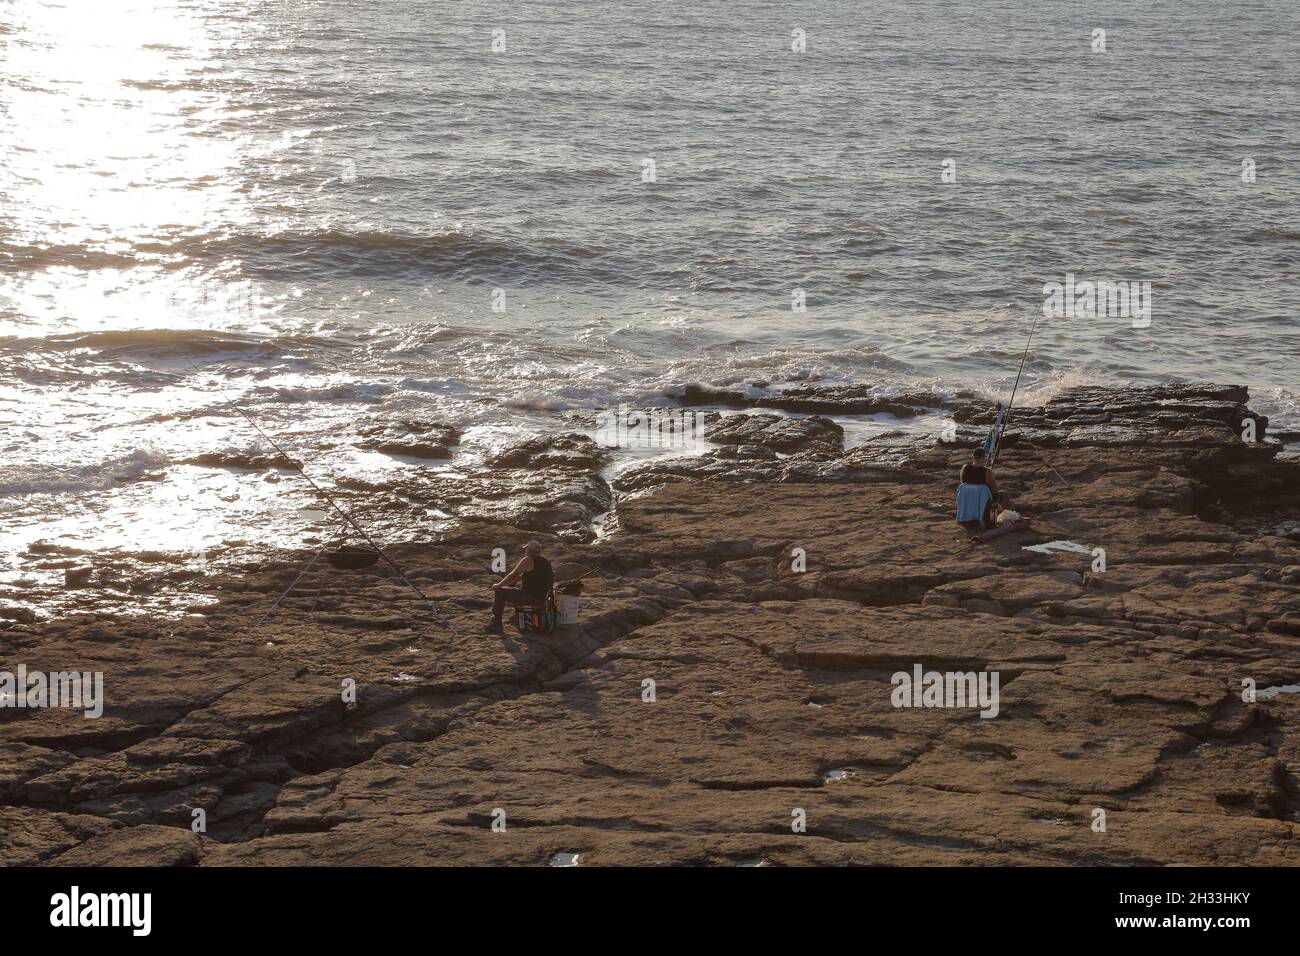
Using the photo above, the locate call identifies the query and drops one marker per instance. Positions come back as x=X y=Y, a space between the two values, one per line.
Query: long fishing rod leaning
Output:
x=1014 y=388
x=442 y=618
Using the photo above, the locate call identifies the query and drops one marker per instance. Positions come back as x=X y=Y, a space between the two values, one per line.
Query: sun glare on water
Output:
x=119 y=143
x=110 y=152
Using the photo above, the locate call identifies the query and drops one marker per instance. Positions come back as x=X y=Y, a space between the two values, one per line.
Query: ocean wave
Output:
x=42 y=479
x=461 y=252
x=169 y=342
x=1272 y=234
x=465 y=253
x=54 y=256
x=1036 y=388
x=1280 y=405
x=194 y=85
x=1043 y=388
x=791 y=367
x=351 y=391
x=799 y=365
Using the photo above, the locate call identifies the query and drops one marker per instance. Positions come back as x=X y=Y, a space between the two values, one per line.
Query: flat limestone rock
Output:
x=736 y=664
x=143 y=845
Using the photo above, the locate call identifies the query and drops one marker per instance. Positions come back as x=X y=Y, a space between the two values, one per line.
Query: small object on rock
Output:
x=353 y=558
x=1050 y=546
x=569 y=605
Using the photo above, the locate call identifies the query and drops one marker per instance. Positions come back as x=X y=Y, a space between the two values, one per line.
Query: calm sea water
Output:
x=321 y=203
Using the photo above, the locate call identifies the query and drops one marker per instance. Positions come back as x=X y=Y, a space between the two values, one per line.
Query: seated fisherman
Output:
x=977 y=494
x=535 y=577
x=979 y=472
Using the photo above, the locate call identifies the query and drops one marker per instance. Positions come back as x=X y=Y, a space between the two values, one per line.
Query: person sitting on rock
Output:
x=535 y=578
x=977 y=495
x=978 y=471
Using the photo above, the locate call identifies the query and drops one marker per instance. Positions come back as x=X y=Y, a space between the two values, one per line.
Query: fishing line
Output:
x=1043 y=457
x=285 y=593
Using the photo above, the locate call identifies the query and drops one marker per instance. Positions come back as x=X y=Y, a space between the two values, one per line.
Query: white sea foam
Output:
x=45 y=479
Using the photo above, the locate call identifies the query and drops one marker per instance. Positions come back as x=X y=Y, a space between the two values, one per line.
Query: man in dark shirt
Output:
x=535 y=578
x=978 y=472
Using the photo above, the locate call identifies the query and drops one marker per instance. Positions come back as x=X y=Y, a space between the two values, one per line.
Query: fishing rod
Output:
x=1005 y=415
x=442 y=619
x=1007 y=418
x=569 y=582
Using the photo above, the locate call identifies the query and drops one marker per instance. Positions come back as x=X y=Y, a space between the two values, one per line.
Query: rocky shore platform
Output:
x=727 y=697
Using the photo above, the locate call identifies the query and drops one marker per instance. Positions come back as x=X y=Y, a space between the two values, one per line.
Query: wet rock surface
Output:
x=732 y=668
x=817 y=399
x=776 y=433
x=416 y=439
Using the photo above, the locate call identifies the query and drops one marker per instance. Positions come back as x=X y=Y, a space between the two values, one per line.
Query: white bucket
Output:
x=568 y=604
